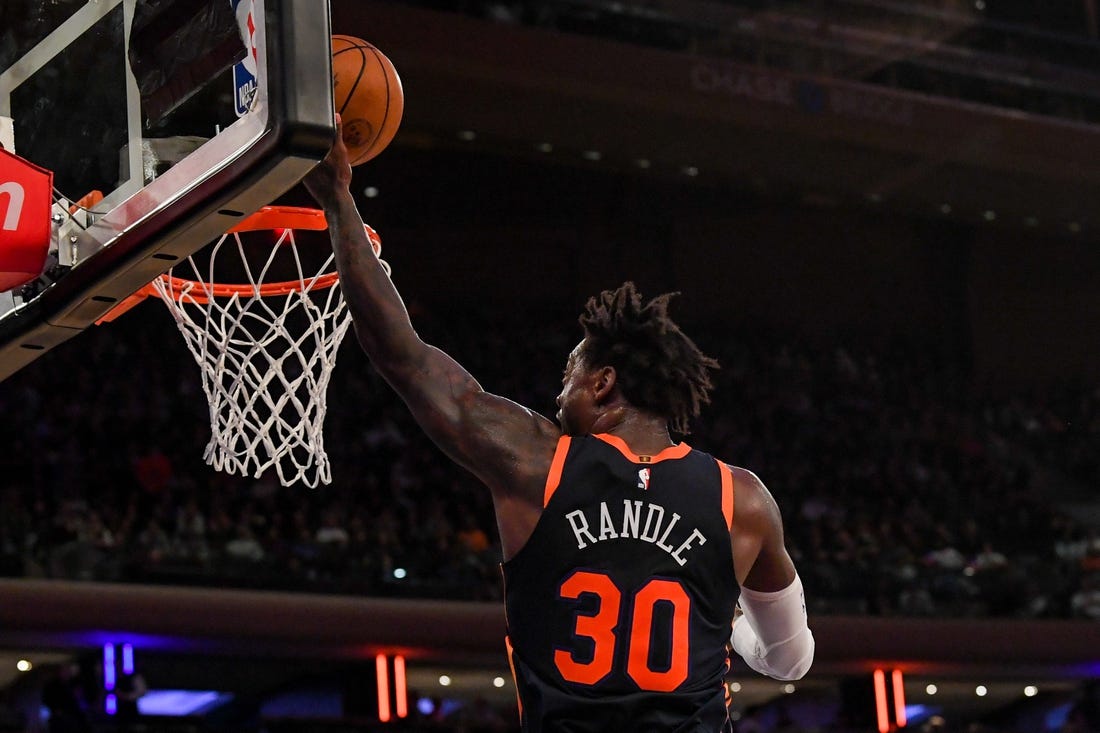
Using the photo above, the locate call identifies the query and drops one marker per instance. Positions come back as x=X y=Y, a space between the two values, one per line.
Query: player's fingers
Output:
x=340 y=142
x=339 y=147
x=339 y=130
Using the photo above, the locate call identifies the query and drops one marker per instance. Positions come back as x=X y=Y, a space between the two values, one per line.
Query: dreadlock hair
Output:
x=659 y=369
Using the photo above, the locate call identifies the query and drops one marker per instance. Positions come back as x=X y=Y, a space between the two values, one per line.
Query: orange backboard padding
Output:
x=283 y=217
x=87 y=201
x=124 y=306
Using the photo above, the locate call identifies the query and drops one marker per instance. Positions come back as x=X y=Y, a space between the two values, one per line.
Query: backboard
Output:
x=187 y=115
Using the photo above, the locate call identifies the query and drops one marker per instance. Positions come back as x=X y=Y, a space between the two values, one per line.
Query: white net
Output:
x=266 y=359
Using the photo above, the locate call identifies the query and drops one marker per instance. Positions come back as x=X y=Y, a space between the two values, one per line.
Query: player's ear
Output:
x=604 y=383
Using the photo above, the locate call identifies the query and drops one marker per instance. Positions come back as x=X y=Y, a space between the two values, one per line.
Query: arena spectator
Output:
x=906 y=491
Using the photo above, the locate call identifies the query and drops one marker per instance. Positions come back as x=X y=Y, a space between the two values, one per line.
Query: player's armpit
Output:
x=506 y=445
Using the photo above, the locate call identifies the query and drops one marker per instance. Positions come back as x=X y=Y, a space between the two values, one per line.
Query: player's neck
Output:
x=643 y=433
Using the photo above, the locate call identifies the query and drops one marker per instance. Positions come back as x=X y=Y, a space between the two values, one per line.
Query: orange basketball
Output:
x=368 y=97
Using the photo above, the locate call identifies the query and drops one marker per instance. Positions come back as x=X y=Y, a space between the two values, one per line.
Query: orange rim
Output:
x=200 y=292
x=267 y=218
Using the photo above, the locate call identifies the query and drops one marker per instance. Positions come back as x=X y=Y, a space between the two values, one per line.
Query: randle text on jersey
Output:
x=637 y=520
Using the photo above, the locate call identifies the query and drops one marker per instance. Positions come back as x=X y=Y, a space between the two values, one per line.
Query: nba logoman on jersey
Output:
x=620 y=604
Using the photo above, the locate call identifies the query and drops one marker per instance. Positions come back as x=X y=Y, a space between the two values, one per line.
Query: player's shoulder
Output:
x=742 y=477
x=748 y=488
x=746 y=479
x=751 y=497
x=519 y=455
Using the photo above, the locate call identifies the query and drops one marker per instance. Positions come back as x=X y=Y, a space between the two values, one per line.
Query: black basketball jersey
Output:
x=619 y=606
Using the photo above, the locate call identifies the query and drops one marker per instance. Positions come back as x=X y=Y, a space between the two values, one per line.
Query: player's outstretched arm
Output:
x=506 y=445
x=772 y=634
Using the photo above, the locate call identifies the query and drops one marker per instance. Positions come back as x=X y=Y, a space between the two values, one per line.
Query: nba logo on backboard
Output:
x=244 y=72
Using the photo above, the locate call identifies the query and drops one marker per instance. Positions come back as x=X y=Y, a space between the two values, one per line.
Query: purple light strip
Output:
x=127 y=659
x=108 y=667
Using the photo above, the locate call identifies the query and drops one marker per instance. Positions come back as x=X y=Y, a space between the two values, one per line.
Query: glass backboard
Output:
x=186 y=115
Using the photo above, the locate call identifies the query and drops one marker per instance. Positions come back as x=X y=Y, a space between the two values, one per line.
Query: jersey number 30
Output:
x=601 y=629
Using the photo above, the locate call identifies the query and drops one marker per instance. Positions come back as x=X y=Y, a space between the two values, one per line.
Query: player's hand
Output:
x=332 y=176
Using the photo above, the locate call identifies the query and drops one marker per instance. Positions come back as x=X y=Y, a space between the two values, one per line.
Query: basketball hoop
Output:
x=266 y=349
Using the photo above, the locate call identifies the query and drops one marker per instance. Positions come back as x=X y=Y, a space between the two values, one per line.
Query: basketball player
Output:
x=623 y=550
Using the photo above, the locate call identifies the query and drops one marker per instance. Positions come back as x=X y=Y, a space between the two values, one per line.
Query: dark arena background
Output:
x=882 y=219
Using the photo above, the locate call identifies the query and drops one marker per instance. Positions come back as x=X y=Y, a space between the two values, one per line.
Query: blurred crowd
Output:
x=906 y=489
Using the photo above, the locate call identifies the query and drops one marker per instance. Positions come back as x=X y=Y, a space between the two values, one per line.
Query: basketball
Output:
x=368 y=97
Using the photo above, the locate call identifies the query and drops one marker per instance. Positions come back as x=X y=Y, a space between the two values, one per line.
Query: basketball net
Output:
x=264 y=373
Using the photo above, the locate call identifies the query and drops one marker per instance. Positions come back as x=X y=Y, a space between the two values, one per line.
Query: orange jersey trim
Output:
x=673 y=451
x=554 y=477
x=515 y=681
x=727 y=693
x=727 y=493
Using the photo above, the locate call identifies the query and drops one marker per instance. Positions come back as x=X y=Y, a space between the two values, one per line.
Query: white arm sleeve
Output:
x=772 y=635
